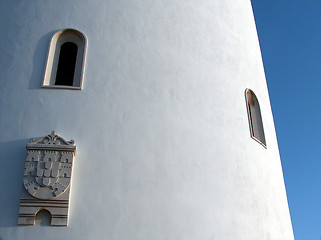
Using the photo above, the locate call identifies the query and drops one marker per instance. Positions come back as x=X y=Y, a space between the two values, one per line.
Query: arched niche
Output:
x=43 y=218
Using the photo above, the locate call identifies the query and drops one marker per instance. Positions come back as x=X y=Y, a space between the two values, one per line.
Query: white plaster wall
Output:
x=161 y=128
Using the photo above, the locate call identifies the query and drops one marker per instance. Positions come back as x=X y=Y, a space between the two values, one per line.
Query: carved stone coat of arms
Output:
x=47 y=178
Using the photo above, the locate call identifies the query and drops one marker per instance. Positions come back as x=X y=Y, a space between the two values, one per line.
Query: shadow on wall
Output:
x=13 y=157
x=39 y=61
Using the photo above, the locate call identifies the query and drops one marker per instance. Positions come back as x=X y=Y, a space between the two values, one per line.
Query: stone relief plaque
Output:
x=47 y=178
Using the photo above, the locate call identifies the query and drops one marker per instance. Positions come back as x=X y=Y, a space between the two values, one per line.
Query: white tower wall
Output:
x=163 y=142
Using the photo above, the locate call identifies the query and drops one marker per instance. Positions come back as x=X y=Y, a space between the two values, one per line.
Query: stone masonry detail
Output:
x=47 y=178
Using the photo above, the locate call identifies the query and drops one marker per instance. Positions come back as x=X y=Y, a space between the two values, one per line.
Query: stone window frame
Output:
x=57 y=40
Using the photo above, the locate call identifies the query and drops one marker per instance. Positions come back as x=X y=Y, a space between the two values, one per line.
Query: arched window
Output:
x=66 y=59
x=255 y=118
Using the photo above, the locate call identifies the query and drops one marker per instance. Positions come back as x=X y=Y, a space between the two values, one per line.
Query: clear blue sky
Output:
x=290 y=39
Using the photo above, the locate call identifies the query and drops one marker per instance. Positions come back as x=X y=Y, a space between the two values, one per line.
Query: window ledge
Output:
x=264 y=145
x=61 y=87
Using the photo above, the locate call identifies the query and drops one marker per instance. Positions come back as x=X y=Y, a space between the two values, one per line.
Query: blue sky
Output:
x=290 y=39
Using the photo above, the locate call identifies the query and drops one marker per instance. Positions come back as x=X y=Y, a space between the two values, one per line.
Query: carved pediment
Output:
x=52 y=142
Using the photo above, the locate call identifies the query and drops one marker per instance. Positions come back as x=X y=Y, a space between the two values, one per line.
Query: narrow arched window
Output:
x=66 y=58
x=255 y=117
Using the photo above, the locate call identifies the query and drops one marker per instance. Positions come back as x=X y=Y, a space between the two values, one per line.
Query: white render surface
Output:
x=164 y=150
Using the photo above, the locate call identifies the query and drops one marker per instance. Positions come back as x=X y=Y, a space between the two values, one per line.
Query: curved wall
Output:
x=161 y=128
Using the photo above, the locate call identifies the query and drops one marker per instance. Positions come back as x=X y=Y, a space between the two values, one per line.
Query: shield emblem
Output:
x=48 y=167
x=47 y=178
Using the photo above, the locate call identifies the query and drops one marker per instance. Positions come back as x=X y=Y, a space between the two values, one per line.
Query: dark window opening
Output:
x=255 y=118
x=66 y=64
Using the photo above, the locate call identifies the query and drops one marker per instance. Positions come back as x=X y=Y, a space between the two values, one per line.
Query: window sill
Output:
x=264 y=145
x=61 y=87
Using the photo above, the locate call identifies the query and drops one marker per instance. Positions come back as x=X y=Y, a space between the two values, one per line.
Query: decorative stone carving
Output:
x=46 y=180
